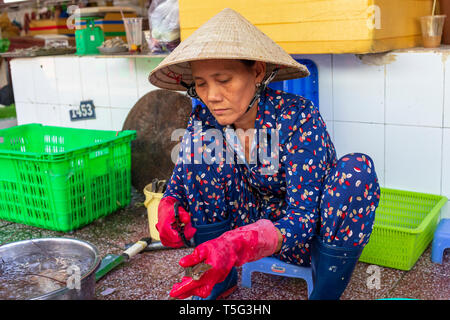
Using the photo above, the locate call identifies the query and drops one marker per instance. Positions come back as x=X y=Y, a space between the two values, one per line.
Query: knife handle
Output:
x=136 y=248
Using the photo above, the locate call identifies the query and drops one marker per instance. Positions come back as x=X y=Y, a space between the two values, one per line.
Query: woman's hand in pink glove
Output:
x=233 y=248
x=215 y=254
x=166 y=221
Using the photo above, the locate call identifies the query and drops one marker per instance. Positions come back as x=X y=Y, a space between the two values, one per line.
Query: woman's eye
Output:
x=199 y=84
x=223 y=80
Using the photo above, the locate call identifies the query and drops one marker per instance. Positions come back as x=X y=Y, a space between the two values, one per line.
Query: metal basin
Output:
x=32 y=251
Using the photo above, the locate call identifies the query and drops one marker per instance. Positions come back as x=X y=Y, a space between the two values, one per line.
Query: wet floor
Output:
x=150 y=275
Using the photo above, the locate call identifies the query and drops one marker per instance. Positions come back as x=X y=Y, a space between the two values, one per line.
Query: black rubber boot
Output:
x=332 y=268
x=207 y=232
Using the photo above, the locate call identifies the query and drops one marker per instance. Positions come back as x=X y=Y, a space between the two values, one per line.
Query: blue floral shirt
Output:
x=287 y=181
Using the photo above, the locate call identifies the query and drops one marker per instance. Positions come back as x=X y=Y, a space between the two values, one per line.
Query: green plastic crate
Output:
x=63 y=178
x=404 y=226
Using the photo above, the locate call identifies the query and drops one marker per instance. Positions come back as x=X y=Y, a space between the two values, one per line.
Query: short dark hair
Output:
x=248 y=63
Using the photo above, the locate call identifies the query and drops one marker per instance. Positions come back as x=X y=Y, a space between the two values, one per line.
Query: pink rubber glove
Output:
x=233 y=248
x=166 y=217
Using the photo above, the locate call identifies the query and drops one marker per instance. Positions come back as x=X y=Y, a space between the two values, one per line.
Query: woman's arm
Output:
x=304 y=153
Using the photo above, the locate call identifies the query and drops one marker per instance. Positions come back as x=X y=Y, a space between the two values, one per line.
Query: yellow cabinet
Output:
x=321 y=26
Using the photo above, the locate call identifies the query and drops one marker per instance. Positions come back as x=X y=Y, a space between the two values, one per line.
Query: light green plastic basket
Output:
x=404 y=226
x=63 y=178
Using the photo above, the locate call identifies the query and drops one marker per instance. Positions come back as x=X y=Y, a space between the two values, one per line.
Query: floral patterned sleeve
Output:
x=303 y=154
x=176 y=184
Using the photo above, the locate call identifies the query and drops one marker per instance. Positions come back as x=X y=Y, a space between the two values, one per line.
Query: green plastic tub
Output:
x=404 y=226
x=63 y=178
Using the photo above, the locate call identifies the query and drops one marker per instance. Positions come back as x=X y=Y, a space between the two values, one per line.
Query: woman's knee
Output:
x=349 y=203
x=356 y=158
x=358 y=167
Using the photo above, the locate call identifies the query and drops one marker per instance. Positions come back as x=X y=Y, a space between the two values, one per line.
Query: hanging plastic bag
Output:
x=164 y=25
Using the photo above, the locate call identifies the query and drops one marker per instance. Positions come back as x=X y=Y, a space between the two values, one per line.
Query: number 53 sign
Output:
x=86 y=111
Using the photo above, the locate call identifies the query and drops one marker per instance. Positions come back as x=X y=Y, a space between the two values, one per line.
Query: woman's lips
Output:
x=220 y=111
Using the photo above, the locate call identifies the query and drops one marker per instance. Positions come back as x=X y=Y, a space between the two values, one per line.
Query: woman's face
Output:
x=226 y=87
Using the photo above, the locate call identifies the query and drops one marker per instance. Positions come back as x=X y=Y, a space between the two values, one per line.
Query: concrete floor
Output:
x=150 y=275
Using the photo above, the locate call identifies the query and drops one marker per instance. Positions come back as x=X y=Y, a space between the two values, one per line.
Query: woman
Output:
x=257 y=173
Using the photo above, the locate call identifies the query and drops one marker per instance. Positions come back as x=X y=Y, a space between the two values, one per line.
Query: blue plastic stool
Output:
x=276 y=267
x=441 y=241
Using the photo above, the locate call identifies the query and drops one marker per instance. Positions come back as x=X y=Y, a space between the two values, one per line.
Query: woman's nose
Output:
x=214 y=94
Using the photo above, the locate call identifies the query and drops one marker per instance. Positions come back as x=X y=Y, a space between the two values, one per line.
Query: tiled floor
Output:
x=7 y=123
x=150 y=275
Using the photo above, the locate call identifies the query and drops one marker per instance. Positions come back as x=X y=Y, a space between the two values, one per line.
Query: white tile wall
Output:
x=122 y=83
x=23 y=81
x=94 y=80
x=26 y=112
x=324 y=69
x=330 y=128
x=61 y=82
x=47 y=114
x=414 y=89
x=45 y=84
x=413 y=158
x=118 y=117
x=64 y=113
x=445 y=211
x=361 y=137
x=143 y=68
x=358 y=90
x=102 y=119
x=447 y=93
x=446 y=163
x=68 y=78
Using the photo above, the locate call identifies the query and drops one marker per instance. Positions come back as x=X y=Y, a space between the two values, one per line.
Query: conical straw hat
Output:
x=227 y=35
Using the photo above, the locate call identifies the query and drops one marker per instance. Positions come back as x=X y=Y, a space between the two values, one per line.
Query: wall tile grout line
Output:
x=442 y=133
x=109 y=91
x=384 y=127
x=136 y=76
x=389 y=124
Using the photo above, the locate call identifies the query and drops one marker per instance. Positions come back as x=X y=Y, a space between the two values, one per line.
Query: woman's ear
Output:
x=260 y=71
